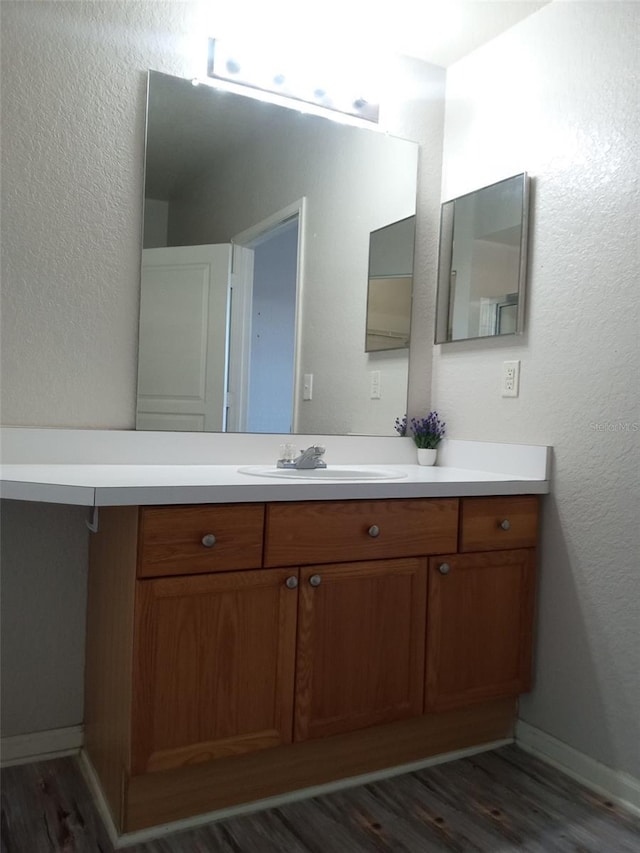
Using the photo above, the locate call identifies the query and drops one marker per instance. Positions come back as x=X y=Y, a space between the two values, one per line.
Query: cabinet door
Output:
x=479 y=627
x=213 y=666
x=360 y=653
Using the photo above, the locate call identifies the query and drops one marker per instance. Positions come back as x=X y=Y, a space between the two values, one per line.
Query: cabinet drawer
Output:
x=498 y=523
x=178 y=540
x=340 y=531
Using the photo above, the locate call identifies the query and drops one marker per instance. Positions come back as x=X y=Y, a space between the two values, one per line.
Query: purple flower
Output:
x=400 y=426
x=428 y=432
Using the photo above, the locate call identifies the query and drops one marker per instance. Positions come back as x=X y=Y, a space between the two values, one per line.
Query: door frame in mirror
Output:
x=240 y=331
x=446 y=275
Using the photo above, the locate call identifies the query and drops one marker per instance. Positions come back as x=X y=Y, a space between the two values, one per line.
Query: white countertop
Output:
x=468 y=468
x=118 y=485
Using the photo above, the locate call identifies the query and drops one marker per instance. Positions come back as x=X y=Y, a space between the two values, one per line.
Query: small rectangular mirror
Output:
x=482 y=262
x=390 y=286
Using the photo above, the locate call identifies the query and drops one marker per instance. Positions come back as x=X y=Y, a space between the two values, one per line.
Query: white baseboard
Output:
x=40 y=746
x=99 y=799
x=154 y=832
x=620 y=788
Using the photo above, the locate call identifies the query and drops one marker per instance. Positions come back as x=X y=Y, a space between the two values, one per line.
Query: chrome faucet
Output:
x=309 y=458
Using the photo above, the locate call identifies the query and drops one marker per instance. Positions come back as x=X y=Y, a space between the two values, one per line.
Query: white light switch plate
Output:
x=375 y=391
x=307 y=386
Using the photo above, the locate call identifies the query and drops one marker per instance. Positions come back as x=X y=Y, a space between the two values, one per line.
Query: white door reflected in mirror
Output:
x=183 y=334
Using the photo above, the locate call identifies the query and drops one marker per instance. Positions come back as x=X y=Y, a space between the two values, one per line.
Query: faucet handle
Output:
x=287 y=452
x=313 y=449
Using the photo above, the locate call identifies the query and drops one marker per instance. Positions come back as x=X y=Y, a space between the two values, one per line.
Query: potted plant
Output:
x=427 y=434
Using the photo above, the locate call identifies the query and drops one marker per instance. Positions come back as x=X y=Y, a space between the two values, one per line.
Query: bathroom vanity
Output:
x=276 y=636
x=211 y=669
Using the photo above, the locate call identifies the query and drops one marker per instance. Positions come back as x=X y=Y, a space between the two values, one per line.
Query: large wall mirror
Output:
x=257 y=224
x=482 y=262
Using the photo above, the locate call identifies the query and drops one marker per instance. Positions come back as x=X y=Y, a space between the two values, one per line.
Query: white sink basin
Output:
x=332 y=473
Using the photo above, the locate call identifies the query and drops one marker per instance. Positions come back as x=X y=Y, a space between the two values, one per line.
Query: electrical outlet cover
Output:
x=510 y=378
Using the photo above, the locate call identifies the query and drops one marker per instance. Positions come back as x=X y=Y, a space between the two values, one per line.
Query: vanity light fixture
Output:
x=289 y=76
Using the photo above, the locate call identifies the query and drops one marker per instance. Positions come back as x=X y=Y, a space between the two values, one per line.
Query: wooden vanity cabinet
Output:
x=481 y=605
x=236 y=652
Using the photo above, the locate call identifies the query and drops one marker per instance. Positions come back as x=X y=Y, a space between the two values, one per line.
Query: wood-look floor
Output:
x=498 y=801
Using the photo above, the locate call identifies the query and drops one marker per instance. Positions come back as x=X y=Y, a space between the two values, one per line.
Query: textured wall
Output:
x=73 y=100
x=558 y=96
x=73 y=94
x=44 y=584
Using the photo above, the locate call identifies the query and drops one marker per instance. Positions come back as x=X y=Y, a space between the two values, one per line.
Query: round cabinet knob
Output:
x=209 y=540
x=315 y=580
x=291 y=583
x=374 y=530
x=505 y=525
x=444 y=568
